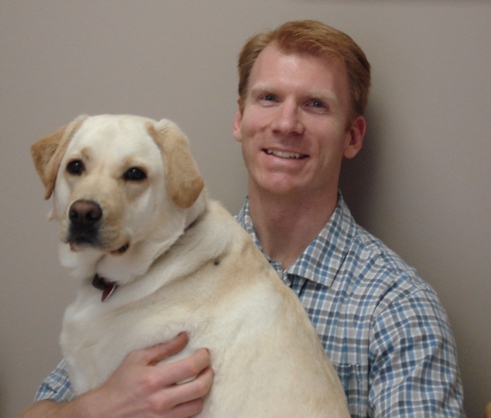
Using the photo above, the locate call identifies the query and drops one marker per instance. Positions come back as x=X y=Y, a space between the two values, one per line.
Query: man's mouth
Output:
x=283 y=154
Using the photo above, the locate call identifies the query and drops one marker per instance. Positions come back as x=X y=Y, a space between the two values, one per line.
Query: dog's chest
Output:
x=95 y=341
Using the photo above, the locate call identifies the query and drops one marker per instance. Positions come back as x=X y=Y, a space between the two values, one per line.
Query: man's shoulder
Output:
x=375 y=269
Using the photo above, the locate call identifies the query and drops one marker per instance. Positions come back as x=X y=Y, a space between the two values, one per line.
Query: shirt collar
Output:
x=323 y=258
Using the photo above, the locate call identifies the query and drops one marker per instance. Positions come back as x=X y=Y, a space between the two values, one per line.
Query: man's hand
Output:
x=142 y=388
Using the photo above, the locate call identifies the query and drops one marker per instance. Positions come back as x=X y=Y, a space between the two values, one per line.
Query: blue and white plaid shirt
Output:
x=383 y=327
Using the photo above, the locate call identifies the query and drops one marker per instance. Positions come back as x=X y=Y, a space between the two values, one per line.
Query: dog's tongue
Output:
x=108 y=291
x=106 y=286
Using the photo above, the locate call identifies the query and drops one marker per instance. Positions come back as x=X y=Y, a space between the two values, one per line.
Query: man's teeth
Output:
x=284 y=154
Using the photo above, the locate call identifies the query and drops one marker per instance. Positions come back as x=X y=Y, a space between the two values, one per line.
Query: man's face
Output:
x=294 y=127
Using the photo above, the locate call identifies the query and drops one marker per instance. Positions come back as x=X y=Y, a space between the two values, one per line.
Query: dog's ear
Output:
x=48 y=152
x=182 y=177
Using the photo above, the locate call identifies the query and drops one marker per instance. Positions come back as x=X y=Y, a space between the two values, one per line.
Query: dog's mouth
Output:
x=122 y=249
x=80 y=242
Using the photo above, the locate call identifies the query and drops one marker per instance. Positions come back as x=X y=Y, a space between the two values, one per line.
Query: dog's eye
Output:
x=135 y=174
x=75 y=167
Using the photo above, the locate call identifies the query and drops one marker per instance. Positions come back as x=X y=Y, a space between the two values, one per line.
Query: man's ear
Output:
x=237 y=122
x=182 y=177
x=48 y=152
x=354 y=137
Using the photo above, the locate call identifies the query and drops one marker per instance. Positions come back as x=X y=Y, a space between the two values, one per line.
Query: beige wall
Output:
x=422 y=183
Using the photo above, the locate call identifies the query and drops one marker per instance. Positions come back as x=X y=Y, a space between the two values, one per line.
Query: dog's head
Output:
x=124 y=189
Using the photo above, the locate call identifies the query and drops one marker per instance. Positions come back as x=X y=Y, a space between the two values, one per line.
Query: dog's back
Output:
x=267 y=358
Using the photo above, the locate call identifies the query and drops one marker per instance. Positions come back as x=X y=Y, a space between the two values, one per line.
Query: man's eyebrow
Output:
x=314 y=94
x=326 y=95
x=323 y=95
x=261 y=88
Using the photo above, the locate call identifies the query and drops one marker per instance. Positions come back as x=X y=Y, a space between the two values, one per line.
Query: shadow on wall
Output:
x=357 y=181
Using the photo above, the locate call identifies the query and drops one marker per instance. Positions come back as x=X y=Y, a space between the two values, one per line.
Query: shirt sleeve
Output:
x=56 y=387
x=414 y=361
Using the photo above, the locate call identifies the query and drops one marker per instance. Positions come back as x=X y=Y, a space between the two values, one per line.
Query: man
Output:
x=302 y=92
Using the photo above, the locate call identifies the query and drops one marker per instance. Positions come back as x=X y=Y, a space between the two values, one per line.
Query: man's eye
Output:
x=75 y=167
x=135 y=174
x=317 y=106
x=268 y=98
x=316 y=103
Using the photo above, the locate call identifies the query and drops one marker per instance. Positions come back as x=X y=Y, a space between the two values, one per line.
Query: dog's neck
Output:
x=109 y=287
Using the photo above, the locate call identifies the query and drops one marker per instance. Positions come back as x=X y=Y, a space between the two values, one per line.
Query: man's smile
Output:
x=284 y=154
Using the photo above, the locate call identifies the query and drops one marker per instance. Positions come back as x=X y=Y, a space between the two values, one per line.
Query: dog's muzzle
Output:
x=85 y=218
x=85 y=227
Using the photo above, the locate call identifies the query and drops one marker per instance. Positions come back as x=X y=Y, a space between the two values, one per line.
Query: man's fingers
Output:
x=188 y=409
x=159 y=352
x=186 y=368
x=176 y=370
x=191 y=394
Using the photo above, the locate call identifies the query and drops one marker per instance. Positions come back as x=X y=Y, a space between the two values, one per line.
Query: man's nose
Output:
x=287 y=120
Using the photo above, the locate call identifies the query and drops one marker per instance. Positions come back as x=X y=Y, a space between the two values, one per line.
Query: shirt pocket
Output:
x=354 y=379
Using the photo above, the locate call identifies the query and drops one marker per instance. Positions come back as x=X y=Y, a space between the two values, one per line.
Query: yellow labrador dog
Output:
x=155 y=257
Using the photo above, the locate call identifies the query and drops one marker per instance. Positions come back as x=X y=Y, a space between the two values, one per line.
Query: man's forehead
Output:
x=272 y=53
x=330 y=57
x=277 y=69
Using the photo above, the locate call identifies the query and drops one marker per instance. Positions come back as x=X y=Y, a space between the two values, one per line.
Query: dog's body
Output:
x=137 y=224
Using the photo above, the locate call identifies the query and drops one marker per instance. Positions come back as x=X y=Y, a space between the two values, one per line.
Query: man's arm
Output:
x=141 y=388
x=415 y=368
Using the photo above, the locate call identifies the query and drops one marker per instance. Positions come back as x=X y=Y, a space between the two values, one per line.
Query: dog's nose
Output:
x=84 y=213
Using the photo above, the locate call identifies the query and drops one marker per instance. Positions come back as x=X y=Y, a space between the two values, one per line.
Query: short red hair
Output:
x=313 y=38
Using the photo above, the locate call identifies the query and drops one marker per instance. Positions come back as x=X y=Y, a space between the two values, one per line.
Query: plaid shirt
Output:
x=383 y=327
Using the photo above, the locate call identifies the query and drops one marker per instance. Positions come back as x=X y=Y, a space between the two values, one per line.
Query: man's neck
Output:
x=285 y=227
